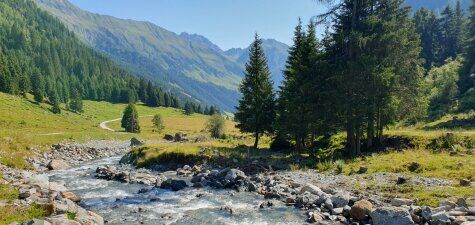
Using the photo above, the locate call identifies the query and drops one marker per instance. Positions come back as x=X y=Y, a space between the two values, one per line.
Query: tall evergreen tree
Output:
x=56 y=109
x=467 y=77
x=130 y=119
x=428 y=27
x=256 y=110
x=38 y=86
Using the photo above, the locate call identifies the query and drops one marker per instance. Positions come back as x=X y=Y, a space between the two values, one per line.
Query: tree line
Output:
x=365 y=73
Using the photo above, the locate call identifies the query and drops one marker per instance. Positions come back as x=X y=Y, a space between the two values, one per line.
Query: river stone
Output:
x=38 y=222
x=234 y=174
x=361 y=209
x=310 y=188
x=174 y=185
x=136 y=142
x=340 y=199
x=71 y=196
x=391 y=216
x=401 y=201
x=57 y=164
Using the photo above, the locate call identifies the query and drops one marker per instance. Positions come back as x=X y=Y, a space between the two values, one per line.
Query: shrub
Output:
x=158 y=123
x=215 y=126
x=339 y=166
x=280 y=143
x=451 y=142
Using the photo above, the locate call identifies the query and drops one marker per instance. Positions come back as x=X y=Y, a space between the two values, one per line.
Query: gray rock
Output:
x=57 y=164
x=38 y=222
x=311 y=189
x=328 y=204
x=340 y=199
x=401 y=201
x=440 y=218
x=426 y=213
x=174 y=185
x=391 y=216
x=136 y=142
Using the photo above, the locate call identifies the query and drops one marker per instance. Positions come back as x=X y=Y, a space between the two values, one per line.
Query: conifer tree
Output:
x=256 y=110
x=467 y=77
x=130 y=119
x=38 y=86
x=56 y=109
x=76 y=104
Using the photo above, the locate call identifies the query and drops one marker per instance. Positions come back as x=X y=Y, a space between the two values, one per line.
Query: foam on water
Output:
x=120 y=203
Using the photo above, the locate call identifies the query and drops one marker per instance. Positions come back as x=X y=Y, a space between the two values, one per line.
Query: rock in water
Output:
x=57 y=164
x=361 y=209
x=174 y=185
x=136 y=142
x=391 y=216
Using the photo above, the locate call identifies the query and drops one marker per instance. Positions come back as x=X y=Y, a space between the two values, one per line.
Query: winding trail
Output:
x=104 y=126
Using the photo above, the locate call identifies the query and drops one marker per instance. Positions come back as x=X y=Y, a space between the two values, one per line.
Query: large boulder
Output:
x=174 y=185
x=234 y=174
x=71 y=196
x=361 y=209
x=391 y=216
x=57 y=164
x=340 y=199
x=181 y=137
x=136 y=142
x=310 y=188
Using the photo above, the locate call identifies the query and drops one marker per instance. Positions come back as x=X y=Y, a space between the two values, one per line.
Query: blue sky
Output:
x=227 y=23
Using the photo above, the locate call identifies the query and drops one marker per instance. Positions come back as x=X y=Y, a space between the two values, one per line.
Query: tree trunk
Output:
x=256 y=142
x=358 y=140
x=350 y=138
x=370 y=132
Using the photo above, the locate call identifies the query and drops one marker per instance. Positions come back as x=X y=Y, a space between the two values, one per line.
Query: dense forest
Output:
x=39 y=55
x=376 y=65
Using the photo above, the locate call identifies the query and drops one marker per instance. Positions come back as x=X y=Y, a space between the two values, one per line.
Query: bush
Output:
x=215 y=126
x=158 y=123
x=468 y=100
x=280 y=143
x=451 y=142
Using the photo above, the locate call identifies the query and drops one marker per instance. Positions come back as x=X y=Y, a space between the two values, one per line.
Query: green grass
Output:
x=10 y=213
x=25 y=124
x=441 y=165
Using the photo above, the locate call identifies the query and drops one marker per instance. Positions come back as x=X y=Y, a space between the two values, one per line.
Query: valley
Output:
x=365 y=117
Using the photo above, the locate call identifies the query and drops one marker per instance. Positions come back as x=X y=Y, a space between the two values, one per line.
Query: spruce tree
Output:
x=256 y=110
x=38 y=84
x=76 y=104
x=130 y=119
x=292 y=111
x=54 y=99
x=467 y=77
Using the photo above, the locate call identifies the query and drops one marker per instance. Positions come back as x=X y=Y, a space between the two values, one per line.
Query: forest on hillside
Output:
x=39 y=55
x=376 y=65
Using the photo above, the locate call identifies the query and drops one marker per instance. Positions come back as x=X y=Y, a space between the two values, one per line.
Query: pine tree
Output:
x=56 y=109
x=292 y=117
x=428 y=27
x=256 y=110
x=449 y=39
x=76 y=104
x=467 y=77
x=38 y=86
x=130 y=119
x=189 y=108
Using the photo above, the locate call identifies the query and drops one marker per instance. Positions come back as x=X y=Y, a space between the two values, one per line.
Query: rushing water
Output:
x=121 y=203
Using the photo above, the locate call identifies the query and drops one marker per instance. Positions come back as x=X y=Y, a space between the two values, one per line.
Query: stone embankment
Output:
x=60 y=204
x=324 y=198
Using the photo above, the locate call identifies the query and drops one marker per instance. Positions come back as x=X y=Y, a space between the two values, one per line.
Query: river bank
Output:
x=86 y=184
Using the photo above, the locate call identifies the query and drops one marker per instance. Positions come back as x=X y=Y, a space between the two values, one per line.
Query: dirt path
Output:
x=104 y=126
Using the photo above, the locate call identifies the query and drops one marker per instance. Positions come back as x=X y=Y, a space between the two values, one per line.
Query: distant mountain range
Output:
x=437 y=5
x=187 y=64
x=276 y=53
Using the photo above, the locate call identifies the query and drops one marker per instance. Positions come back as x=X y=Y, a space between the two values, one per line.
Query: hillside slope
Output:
x=276 y=53
x=180 y=64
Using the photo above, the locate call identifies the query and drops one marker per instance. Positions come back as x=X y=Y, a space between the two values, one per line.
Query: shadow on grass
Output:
x=454 y=123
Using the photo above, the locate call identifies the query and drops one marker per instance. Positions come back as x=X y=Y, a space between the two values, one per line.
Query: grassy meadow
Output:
x=25 y=124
